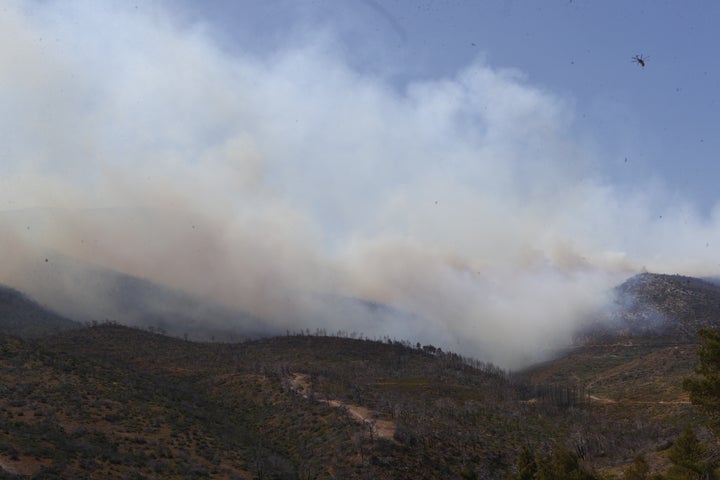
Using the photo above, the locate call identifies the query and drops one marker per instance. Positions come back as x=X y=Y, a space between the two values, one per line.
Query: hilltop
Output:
x=657 y=306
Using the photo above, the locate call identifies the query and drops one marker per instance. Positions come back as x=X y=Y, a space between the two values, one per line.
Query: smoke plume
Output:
x=471 y=204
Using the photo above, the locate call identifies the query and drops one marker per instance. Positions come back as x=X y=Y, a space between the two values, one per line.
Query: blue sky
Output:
x=663 y=118
x=492 y=167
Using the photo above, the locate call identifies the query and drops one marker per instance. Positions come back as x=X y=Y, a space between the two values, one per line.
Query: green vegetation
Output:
x=560 y=463
x=107 y=401
x=704 y=389
x=691 y=459
x=111 y=402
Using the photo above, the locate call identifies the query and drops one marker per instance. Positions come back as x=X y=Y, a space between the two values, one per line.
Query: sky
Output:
x=661 y=118
x=489 y=168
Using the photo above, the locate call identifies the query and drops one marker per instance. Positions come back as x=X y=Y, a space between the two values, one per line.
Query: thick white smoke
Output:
x=470 y=202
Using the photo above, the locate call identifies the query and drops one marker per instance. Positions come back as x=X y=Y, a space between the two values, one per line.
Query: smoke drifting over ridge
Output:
x=134 y=144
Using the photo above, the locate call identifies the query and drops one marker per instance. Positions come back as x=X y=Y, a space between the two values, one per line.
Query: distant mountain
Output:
x=657 y=307
x=22 y=317
x=92 y=294
x=88 y=293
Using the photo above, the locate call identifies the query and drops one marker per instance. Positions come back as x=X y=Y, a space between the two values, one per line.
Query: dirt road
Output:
x=382 y=428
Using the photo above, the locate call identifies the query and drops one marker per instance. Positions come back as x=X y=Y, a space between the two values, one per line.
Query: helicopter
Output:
x=640 y=60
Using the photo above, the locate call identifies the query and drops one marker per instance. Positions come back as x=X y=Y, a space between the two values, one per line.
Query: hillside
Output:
x=644 y=347
x=23 y=317
x=634 y=360
x=109 y=401
x=114 y=402
x=646 y=342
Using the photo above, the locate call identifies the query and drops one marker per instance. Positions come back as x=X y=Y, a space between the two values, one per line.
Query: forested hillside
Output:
x=109 y=401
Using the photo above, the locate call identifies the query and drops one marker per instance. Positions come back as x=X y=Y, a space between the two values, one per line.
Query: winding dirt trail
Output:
x=23 y=467
x=382 y=428
x=595 y=398
x=7 y=468
x=606 y=400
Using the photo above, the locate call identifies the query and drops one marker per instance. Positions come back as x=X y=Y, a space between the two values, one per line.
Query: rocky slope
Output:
x=657 y=308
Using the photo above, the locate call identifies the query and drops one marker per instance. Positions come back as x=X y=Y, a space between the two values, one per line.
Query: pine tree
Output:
x=527 y=467
x=705 y=389
x=691 y=459
x=562 y=464
x=640 y=470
